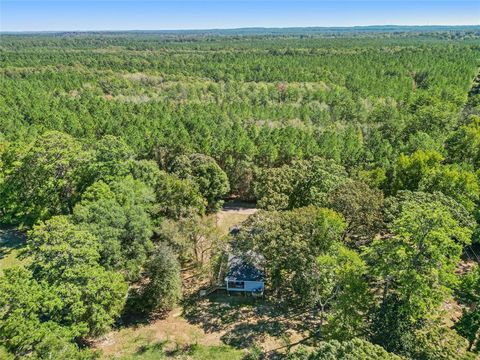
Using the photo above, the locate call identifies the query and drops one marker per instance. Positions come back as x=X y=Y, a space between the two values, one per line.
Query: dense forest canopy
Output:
x=361 y=149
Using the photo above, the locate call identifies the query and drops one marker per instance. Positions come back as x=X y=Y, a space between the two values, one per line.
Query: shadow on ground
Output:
x=245 y=321
x=10 y=239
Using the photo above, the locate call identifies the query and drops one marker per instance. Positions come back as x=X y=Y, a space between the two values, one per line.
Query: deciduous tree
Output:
x=164 y=287
x=362 y=208
x=46 y=180
x=203 y=170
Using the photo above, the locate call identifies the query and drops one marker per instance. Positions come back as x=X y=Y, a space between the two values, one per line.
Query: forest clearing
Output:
x=298 y=194
x=216 y=323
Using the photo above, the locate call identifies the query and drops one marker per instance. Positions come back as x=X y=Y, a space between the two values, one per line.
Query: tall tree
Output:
x=23 y=302
x=298 y=184
x=33 y=320
x=460 y=184
x=416 y=265
x=120 y=214
x=47 y=180
x=355 y=349
x=334 y=288
x=164 y=287
x=194 y=238
x=204 y=171
x=112 y=158
x=178 y=198
x=410 y=169
x=66 y=258
x=464 y=143
x=436 y=341
x=469 y=294
x=291 y=241
x=362 y=208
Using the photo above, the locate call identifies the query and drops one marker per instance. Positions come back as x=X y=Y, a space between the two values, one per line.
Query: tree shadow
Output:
x=245 y=321
x=246 y=335
x=10 y=239
x=217 y=312
x=157 y=346
x=134 y=313
x=181 y=350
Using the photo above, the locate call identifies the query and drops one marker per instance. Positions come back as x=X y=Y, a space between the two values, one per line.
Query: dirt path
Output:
x=233 y=213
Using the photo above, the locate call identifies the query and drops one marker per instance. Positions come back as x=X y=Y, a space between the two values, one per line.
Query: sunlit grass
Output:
x=194 y=352
x=225 y=221
x=11 y=243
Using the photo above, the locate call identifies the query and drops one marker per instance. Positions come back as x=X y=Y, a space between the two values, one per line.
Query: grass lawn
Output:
x=233 y=214
x=207 y=329
x=11 y=242
x=170 y=338
x=194 y=352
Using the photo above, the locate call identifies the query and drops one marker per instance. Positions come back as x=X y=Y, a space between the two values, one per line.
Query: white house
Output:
x=245 y=273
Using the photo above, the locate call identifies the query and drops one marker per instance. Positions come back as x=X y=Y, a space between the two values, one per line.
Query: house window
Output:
x=236 y=284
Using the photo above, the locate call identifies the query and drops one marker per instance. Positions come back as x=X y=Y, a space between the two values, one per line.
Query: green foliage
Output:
x=146 y=171
x=464 y=144
x=44 y=180
x=410 y=170
x=120 y=215
x=361 y=206
x=469 y=294
x=164 y=287
x=22 y=301
x=426 y=340
x=3 y=149
x=391 y=326
x=460 y=184
x=156 y=351
x=66 y=258
x=336 y=281
x=438 y=342
x=299 y=184
x=291 y=241
x=469 y=327
x=395 y=205
x=288 y=121
x=112 y=157
x=178 y=198
x=418 y=262
x=423 y=141
x=25 y=307
x=211 y=180
x=273 y=187
x=355 y=349
x=255 y=101
x=57 y=245
x=415 y=270
x=93 y=298
x=193 y=238
x=375 y=178
x=100 y=213
x=4 y=354
x=57 y=344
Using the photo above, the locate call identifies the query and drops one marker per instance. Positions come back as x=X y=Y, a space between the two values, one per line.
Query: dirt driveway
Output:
x=233 y=213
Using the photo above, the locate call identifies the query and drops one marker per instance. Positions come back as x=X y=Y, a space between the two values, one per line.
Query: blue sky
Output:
x=19 y=15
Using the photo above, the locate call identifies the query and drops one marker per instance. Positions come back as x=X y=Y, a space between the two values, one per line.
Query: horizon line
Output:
x=241 y=28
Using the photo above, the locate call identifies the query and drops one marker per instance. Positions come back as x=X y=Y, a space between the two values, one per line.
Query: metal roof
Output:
x=245 y=267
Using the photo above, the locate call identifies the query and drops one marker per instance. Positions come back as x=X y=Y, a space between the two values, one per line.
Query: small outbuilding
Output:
x=245 y=273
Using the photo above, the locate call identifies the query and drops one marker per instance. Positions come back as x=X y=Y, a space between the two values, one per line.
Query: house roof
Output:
x=245 y=267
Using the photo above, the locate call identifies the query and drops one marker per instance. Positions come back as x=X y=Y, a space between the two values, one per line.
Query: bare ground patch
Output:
x=243 y=322
x=175 y=331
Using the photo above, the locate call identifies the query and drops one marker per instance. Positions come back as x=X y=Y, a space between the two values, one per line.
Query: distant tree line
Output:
x=361 y=152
